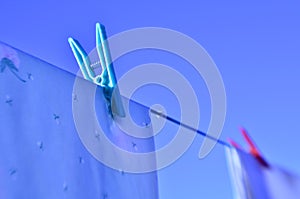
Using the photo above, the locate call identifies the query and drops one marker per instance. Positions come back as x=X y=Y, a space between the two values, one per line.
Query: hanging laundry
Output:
x=254 y=178
x=42 y=155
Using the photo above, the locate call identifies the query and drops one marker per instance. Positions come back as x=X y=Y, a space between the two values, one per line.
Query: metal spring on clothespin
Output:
x=107 y=79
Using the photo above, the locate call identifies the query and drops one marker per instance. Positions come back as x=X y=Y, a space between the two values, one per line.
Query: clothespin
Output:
x=107 y=79
x=253 y=149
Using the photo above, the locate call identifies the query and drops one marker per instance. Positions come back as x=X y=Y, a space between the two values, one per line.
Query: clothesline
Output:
x=223 y=143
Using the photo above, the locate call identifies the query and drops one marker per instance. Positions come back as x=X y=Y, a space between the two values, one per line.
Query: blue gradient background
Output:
x=255 y=46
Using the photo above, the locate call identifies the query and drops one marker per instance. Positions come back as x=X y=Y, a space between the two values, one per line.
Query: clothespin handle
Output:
x=107 y=79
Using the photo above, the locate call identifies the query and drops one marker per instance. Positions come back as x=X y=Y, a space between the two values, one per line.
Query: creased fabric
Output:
x=41 y=153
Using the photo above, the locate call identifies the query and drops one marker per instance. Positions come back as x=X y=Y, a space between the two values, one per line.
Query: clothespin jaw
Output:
x=253 y=149
x=107 y=79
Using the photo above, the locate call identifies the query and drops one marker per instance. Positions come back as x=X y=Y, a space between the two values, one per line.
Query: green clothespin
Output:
x=107 y=79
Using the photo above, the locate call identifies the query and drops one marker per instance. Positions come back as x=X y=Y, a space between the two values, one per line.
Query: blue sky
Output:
x=254 y=44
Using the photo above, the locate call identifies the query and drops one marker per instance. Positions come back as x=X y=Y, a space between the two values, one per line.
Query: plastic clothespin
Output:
x=253 y=149
x=107 y=79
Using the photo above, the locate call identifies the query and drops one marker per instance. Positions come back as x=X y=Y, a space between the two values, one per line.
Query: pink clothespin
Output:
x=253 y=149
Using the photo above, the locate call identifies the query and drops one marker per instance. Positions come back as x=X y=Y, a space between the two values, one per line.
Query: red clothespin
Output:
x=253 y=149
